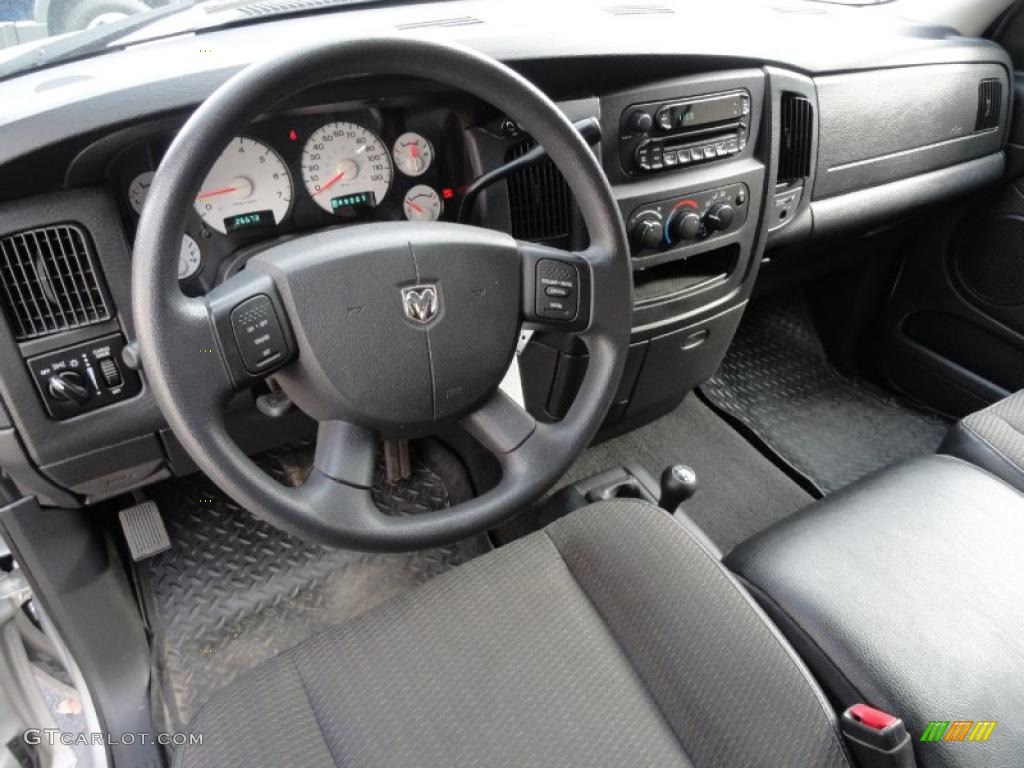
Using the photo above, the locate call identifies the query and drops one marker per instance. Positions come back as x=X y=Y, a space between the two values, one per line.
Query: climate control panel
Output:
x=690 y=218
x=84 y=377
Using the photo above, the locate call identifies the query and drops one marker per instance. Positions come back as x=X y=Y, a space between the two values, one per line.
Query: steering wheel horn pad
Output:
x=386 y=330
x=397 y=326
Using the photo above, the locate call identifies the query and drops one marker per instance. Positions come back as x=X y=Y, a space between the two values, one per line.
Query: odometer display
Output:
x=343 y=160
x=353 y=203
x=252 y=219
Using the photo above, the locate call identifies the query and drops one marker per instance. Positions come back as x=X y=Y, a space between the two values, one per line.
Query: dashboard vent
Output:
x=254 y=8
x=797 y=136
x=636 y=10
x=990 y=100
x=457 y=21
x=50 y=281
x=538 y=199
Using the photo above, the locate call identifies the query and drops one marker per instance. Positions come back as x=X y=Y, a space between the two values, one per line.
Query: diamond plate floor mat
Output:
x=777 y=382
x=233 y=591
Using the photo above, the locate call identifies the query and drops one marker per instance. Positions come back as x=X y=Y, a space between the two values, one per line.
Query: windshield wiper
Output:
x=87 y=42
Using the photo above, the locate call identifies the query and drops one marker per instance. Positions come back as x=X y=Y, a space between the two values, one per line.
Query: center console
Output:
x=689 y=160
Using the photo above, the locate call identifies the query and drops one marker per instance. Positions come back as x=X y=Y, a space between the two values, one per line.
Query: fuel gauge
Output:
x=413 y=154
x=422 y=203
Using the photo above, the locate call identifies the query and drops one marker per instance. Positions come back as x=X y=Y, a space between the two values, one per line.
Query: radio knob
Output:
x=686 y=226
x=640 y=122
x=647 y=234
x=719 y=217
x=69 y=387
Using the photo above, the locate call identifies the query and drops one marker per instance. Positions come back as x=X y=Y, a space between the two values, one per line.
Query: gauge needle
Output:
x=413 y=205
x=215 y=192
x=331 y=183
x=415 y=151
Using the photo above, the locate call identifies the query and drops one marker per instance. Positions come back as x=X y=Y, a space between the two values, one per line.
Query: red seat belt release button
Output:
x=871 y=717
x=877 y=739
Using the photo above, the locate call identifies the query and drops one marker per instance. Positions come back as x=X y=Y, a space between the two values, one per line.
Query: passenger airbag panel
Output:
x=884 y=125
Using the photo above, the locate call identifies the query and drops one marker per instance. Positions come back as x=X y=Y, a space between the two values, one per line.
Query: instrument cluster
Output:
x=291 y=173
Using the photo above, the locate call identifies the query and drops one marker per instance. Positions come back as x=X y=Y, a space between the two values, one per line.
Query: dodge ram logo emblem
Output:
x=421 y=303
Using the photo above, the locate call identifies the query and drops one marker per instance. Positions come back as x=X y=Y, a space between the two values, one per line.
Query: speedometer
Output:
x=249 y=185
x=345 y=167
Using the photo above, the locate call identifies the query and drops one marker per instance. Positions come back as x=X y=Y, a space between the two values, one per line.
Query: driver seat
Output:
x=610 y=638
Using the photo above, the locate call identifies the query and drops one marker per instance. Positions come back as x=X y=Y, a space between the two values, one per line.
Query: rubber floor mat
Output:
x=233 y=591
x=777 y=382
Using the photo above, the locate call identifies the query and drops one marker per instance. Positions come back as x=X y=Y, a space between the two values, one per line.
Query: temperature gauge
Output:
x=190 y=259
x=422 y=203
x=413 y=154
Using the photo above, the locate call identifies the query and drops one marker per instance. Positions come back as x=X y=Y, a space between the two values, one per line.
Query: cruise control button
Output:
x=557 y=290
x=258 y=334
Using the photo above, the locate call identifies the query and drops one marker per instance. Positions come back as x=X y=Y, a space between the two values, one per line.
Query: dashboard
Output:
x=299 y=171
x=794 y=124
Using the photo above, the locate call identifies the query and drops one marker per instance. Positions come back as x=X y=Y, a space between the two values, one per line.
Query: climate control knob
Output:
x=685 y=226
x=69 y=387
x=647 y=234
x=719 y=217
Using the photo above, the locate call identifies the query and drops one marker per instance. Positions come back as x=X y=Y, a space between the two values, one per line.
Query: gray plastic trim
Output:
x=878 y=205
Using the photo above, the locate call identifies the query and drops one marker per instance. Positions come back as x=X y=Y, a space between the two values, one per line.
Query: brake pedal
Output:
x=144 y=530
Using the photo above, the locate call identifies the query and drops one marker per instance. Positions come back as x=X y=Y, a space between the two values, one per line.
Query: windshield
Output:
x=35 y=33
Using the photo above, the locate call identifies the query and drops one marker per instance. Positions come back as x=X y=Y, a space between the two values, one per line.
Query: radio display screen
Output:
x=710 y=111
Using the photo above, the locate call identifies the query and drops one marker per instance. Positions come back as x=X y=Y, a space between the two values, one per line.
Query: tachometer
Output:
x=249 y=185
x=345 y=166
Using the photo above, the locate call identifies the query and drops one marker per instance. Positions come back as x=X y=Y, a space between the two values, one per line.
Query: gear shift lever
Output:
x=678 y=483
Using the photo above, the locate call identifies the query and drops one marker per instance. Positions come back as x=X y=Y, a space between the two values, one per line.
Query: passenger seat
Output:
x=993 y=439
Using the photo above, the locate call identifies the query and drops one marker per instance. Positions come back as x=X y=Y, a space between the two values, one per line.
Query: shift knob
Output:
x=678 y=483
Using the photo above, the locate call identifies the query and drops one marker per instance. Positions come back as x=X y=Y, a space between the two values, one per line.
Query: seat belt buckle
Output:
x=877 y=739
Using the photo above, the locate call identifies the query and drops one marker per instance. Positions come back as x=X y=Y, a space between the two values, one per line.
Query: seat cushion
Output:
x=906 y=591
x=993 y=439
x=611 y=638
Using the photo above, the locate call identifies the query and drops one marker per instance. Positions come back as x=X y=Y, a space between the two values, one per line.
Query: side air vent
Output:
x=457 y=21
x=50 y=282
x=538 y=199
x=797 y=135
x=636 y=10
x=990 y=101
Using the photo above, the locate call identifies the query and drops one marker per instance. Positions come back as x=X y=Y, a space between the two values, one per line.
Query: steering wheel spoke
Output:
x=556 y=288
x=346 y=453
x=501 y=425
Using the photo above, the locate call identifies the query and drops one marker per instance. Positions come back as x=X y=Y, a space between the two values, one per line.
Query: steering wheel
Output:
x=384 y=329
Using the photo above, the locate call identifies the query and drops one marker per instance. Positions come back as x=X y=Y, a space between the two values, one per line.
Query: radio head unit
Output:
x=659 y=136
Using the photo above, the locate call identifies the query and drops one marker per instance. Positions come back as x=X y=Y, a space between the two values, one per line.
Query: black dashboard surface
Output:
x=618 y=45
